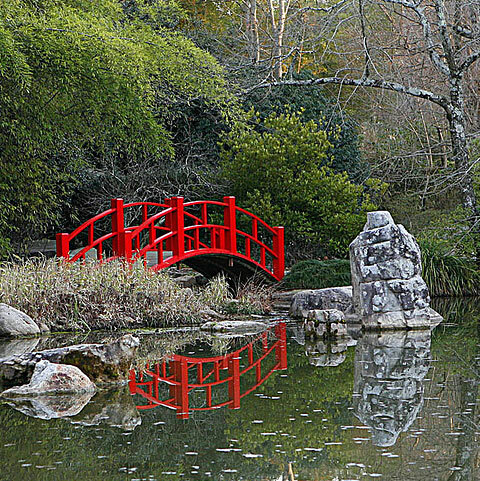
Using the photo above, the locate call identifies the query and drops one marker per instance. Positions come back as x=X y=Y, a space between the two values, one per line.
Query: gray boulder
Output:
x=235 y=326
x=49 y=378
x=325 y=323
x=339 y=298
x=102 y=363
x=15 y=323
x=388 y=290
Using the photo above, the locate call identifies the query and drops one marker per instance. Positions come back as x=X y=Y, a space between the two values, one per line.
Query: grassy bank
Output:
x=448 y=274
x=70 y=297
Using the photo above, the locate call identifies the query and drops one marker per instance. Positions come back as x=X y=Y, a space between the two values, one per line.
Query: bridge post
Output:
x=230 y=222
x=279 y=249
x=178 y=225
x=63 y=247
x=118 y=227
x=125 y=241
x=281 y=347
x=234 y=382
x=168 y=225
x=181 y=388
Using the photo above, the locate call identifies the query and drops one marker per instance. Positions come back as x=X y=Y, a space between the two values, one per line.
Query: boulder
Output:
x=339 y=298
x=15 y=323
x=388 y=381
x=102 y=363
x=322 y=323
x=388 y=290
x=50 y=378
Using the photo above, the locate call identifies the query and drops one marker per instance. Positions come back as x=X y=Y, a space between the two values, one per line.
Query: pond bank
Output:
x=62 y=297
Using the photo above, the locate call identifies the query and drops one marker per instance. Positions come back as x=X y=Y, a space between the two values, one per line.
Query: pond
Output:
x=394 y=406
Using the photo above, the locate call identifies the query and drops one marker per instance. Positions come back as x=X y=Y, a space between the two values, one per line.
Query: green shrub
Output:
x=447 y=274
x=315 y=274
x=279 y=169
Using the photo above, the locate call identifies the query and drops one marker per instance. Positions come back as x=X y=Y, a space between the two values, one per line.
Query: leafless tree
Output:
x=425 y=49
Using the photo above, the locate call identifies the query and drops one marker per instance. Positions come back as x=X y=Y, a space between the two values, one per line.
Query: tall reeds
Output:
x=108 y=296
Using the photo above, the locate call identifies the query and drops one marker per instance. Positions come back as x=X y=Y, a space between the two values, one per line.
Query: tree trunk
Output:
x=278 y=30
x=460 y=152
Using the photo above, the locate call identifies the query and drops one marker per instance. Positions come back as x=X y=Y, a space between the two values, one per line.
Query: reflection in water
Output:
x=388 y=386
x=326 y=354
x=198 y=384
x=113 y=407
x=51 y=407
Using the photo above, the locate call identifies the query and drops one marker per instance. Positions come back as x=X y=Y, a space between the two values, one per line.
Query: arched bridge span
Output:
x=209 y=236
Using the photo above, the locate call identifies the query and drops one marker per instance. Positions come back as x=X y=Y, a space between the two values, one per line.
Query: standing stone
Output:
x=388 y=290
x=15 y=323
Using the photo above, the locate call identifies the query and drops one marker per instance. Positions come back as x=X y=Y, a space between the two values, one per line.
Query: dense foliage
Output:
x=446 y=273
x=314 y=105
x=89 y=90
x=315 y=274
x=279 y=168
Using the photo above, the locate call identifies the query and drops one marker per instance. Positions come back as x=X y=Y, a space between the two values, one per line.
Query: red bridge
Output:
x=209 y=236
x=174 y=382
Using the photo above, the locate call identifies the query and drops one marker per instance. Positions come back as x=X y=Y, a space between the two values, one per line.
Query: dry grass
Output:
x=69 y=297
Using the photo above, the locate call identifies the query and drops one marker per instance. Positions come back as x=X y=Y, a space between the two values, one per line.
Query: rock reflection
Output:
x=114 y=407
x=51 y=407
x=388 y=387
x=326 y=354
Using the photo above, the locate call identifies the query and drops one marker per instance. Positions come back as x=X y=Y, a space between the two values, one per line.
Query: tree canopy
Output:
x=81 y=82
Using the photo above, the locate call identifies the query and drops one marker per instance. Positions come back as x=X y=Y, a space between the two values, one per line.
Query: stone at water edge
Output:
x=234 y=326
x=50 y=378
x=102 y=363
x=15 y=323
x=339 y=298
x=328 y=323
x=388 y=290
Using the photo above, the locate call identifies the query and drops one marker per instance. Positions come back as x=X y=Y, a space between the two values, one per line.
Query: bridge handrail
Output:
x=90 y=222
x=253 y=216
x=151 y=220
x=181 y=232
x=94 y=244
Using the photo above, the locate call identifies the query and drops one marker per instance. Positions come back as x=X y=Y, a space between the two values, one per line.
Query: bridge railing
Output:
x=179 y=230
x=185 y=375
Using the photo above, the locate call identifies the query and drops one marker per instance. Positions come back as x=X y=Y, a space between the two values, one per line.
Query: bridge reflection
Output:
x=189 y=384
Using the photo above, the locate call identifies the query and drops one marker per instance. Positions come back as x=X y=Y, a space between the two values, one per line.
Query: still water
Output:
x=397 y=406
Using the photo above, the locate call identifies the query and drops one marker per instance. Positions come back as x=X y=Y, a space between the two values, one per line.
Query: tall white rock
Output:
x=388 y=290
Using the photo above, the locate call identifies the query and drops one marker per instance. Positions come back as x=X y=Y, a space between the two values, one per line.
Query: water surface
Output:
x=397 y=406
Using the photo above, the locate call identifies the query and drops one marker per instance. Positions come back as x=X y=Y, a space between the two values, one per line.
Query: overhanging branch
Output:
x=370 y=83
